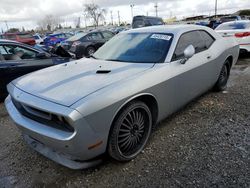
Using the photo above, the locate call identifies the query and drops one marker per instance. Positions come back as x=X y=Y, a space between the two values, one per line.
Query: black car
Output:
x=17 y=59
x=144 y=21
x=85 y=44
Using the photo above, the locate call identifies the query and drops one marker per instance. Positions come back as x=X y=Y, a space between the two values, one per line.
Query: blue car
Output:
x=54 y=39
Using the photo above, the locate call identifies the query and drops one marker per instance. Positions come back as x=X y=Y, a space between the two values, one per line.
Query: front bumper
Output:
x=71 y=149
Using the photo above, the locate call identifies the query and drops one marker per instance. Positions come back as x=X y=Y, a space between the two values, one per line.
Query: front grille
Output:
x=42 y=117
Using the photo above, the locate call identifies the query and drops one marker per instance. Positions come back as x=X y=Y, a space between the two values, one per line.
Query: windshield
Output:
x=76 y=37
x=234 y=25
x=136 y=47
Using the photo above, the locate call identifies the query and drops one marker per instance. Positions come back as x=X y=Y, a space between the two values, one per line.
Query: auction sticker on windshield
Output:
x=161 y=36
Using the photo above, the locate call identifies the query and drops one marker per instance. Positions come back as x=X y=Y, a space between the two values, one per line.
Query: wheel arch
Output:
x=148 y=98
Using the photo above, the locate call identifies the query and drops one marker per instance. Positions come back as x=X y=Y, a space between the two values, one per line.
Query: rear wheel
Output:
x=221 y=83
x=130 y=132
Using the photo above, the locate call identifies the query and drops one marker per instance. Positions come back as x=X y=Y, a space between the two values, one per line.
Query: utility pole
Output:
x=6 y=23
x=132 y=6
x=111 y=14
x=215 y=9
x=119 y=19
x=156 y=9
x=147 y=13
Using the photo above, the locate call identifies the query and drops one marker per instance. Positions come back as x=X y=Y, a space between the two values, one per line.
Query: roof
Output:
x=181 y=28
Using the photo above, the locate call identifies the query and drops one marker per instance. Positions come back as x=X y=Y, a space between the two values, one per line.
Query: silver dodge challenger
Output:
x=109 y=102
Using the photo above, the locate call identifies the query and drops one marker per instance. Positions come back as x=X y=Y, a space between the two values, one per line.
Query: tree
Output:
x=49 y=22
x=94 y=12
x=13 y=30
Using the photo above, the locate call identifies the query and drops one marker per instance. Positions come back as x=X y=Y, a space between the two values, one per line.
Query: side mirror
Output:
x=41 y=55
x=188 y=53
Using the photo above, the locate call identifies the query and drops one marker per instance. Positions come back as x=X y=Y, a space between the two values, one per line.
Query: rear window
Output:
x=235 y=25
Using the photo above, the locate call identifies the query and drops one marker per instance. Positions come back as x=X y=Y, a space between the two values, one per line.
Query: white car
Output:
x=38 y=39
x=240 y=30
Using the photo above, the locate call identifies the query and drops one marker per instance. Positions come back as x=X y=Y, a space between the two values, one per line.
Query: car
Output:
x=38 y=38
x=25 y=38
x=109 y=103
x=85 y=44
x=229 y=18
x=52 y=40
x=239 y=30
x=145 y=21
x=17 y=59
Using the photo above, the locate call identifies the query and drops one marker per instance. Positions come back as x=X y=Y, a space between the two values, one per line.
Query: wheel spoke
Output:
x=132 y=120
x=124 y=130
x=125 y=143
x=123 y=135
x=127 y=126
x=123 y=140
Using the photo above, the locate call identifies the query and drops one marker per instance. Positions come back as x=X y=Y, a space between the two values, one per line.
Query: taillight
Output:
x=243 y=34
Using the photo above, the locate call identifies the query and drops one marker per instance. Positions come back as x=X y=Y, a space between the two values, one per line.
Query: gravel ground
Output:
x=206 y=144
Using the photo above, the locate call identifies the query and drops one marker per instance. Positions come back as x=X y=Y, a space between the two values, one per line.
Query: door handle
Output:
x=209 y=57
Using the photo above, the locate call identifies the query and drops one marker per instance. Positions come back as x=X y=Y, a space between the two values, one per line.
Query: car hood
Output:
x=65 y=84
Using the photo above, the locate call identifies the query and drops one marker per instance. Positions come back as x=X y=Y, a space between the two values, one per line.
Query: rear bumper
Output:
x=70 y=149
x=245 y=46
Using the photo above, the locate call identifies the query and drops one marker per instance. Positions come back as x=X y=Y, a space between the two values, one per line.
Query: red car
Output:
x=25 y=38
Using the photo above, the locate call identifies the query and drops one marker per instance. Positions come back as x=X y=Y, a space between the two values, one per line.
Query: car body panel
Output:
x=170 y=83
x=244 y=42
x=12 y=69
x=79 y=77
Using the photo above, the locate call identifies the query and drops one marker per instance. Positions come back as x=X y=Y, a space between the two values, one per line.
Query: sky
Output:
x=27 y=13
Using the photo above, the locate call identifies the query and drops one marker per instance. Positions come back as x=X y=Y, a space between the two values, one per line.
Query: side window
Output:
x=20 y=52
x=2 y=50
x=208 y=39
x=94 y=36
x=193 y=38
x=107 y=35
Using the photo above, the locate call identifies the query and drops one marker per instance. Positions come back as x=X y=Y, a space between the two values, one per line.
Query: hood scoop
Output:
x=103 y=71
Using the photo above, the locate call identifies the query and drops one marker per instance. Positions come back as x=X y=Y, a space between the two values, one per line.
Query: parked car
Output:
x=239 y=30
x=25 y=38
x=144 y=21
x=17 y=59
x=229 y=18
x=85 y=44
x=38 y=38
x=74 y=113
x=54 y=39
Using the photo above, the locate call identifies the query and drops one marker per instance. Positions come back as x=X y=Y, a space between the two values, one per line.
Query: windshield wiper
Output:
x=91 y=56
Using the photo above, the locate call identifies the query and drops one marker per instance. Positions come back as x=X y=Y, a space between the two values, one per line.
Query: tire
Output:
x=221 y=83
x=130 y=131
x=90 y=50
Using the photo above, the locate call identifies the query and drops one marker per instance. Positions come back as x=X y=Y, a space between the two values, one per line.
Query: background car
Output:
x=229 y=19
x=25 y=38
x=54 y=39
x=85 y=44
x=239 y=30
x=110 y=102
x=17 y=59
x=38 y=38
x=144 y=21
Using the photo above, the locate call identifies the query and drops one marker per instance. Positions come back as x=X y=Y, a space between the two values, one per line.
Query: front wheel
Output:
x=130 y=132
x=221 y=83
x=90 y=50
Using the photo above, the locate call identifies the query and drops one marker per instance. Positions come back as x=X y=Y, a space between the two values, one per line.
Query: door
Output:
x=197 y=74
